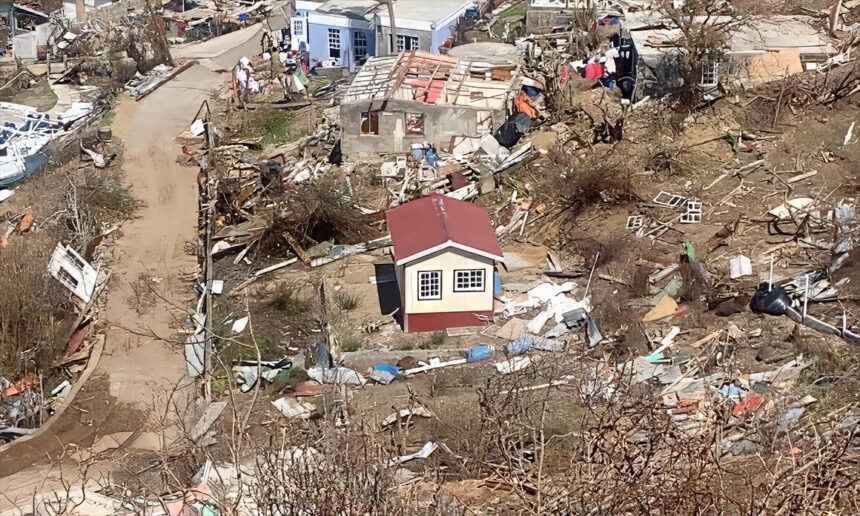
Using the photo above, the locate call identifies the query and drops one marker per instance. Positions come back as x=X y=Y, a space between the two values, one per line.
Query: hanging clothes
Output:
x=593 y=71
x=524 y=104
x=609 y=64
x=564 y=74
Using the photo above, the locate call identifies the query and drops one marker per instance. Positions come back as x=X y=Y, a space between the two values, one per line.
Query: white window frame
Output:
x=334 y=42
x=710 y=73
x=299 y=27
x=430 y=276
x=401 y=42
x=470 y=280
x=359 y=47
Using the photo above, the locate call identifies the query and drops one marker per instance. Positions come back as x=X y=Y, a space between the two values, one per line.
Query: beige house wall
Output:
x=447 y=261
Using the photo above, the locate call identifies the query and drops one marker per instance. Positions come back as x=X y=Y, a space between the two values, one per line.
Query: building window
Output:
x=414 y=124
x=298 y=28
x=429 y=285
x=471 y=280
x=710 y=73
x=406 y=42
x=370 y=122
x=334 y=43
x=359 y=44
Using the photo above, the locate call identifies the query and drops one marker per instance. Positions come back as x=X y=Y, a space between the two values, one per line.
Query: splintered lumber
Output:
x=275 y=267
x=340 y=252
x=303 y=256
x=801 y=177
x=185 y=66
x=705 y=339
x=237 y=289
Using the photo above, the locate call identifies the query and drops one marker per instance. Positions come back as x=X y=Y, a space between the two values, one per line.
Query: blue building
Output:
x=344 y=33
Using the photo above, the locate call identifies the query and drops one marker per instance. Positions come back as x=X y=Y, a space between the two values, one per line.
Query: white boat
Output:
x=24 y=131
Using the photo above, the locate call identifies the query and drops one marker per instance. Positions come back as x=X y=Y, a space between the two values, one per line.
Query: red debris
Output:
x=311 y=388
x=681 y=311
x=77 y=339
x=747 y=405
x=24 y=384
x=26 y=221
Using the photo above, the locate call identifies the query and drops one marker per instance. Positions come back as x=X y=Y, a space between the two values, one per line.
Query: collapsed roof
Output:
x=654 y=35
x=433 y=79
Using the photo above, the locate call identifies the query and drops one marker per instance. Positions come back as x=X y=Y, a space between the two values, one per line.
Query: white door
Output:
x=298 y=31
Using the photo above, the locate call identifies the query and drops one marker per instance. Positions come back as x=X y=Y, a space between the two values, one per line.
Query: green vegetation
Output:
x=351 y=344
x=347 y=301
x=518 y=9
x=288 y=302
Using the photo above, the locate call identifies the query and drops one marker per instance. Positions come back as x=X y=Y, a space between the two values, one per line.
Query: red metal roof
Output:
x=434 y=222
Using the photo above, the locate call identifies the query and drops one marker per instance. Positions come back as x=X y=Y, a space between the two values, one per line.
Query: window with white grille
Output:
x=334 y=43
x=429 y=285
x=710 y=73
x=299 y=27
x=471 y=280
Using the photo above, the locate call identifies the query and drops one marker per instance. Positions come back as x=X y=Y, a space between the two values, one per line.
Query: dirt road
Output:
x=149 y=294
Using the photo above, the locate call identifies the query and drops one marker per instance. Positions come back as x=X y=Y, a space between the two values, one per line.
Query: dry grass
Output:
x=73 y=207
x=317 y=212
x=33 y=308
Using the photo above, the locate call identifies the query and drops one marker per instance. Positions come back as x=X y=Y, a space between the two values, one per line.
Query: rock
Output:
x=730 y=307
x=486 y=184
x=770 y=355
x=544 y=140
x=407 y=362
x=123 y=69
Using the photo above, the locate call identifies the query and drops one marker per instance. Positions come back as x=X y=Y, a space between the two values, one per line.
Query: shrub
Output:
x=288 y=302
x=347 y=301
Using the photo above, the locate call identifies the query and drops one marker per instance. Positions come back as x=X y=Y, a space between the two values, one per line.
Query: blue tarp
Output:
x=479 y=353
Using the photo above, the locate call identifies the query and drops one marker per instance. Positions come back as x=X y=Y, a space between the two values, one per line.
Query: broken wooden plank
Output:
x=236 y=290
x=801 y=177
x=277 y=105
x=340 y=252
x=303 y=256
x=185 y=66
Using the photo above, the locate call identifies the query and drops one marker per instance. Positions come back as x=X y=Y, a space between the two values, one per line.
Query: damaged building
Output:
x=344 y=33
x=543 y=15
x=416 y=97
x=763 y=49
x=27 y=29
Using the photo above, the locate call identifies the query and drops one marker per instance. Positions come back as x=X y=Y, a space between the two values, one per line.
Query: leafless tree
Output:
x=705 y=28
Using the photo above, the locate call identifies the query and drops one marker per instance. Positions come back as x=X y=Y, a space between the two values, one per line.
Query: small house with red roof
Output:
x=445 y=253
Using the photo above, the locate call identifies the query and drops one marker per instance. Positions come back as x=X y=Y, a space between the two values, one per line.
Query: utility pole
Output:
x=392 y=40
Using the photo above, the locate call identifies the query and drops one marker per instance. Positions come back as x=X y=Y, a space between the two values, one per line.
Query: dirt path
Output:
x=149 y=295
